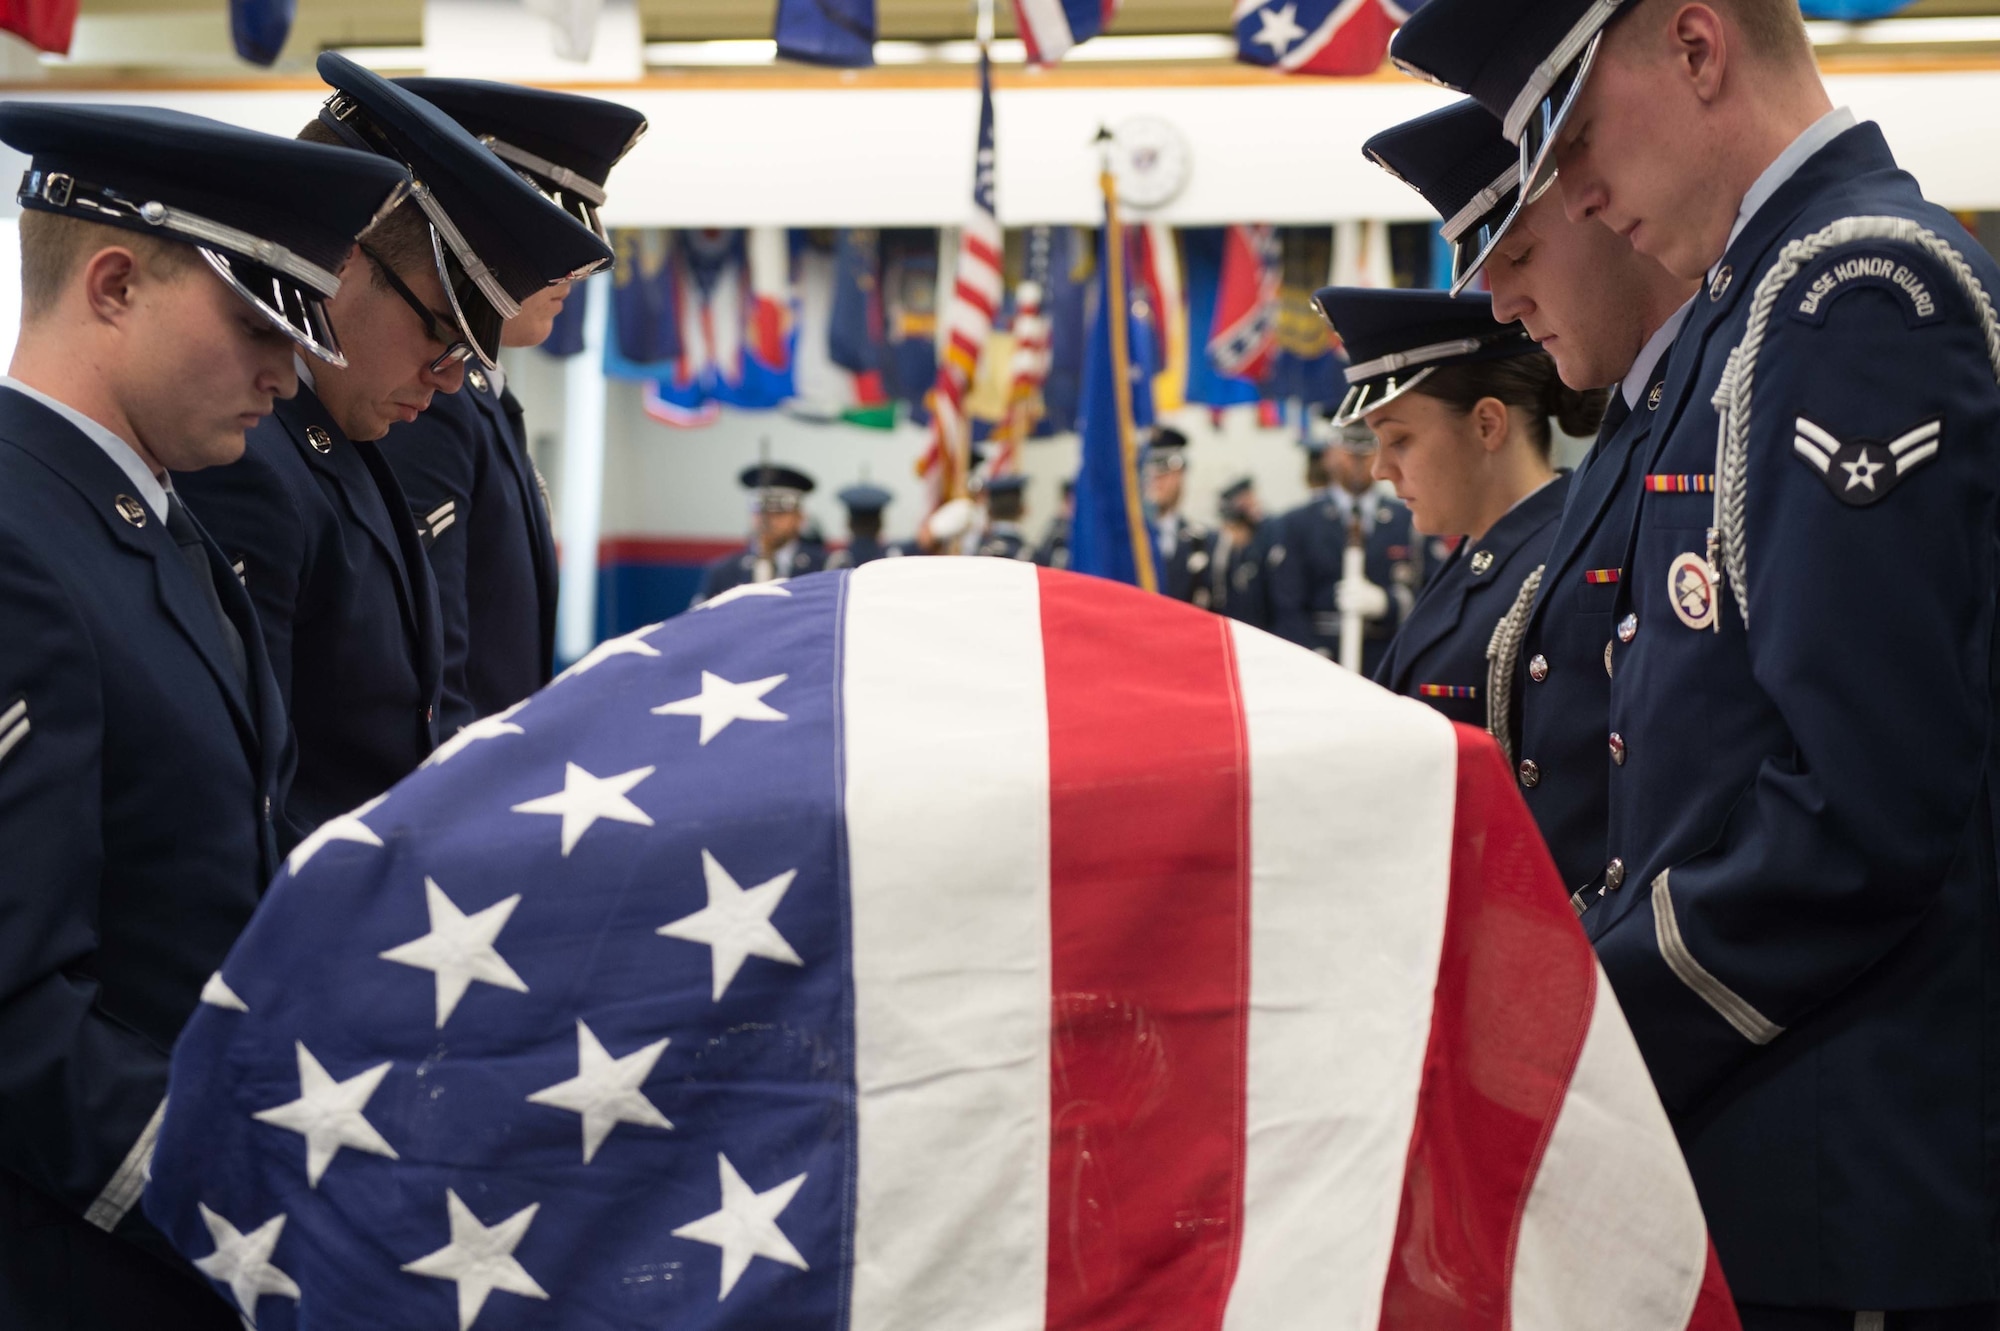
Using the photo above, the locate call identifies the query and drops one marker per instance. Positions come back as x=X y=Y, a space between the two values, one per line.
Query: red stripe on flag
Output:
x=1515 y=986
x=1150 y=1007
x=978 y=248
x=1714 y=1308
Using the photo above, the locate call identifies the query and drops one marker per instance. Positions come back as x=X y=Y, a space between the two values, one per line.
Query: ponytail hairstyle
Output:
x=1528 y=384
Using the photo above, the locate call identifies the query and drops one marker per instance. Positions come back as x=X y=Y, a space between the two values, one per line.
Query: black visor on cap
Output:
x=1474 y=245
x=476 y=317
x=288 y=305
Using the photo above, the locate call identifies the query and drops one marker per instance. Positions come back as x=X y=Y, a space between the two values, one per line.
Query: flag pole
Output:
x=1121 y=362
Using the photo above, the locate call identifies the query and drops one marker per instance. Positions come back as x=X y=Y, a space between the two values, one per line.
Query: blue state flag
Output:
x=566 y=335
x=259 y=28
x=827 y=32
x=645 y=315
x=1108 y=536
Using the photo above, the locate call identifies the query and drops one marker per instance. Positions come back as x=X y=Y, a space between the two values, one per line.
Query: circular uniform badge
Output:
x=1691 y=590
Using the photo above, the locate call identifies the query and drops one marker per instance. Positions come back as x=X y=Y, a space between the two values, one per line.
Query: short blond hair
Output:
x=54 y=248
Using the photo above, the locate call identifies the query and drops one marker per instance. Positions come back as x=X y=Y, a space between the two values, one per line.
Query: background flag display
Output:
x=975 y=300
x=827 y=32
x=1243 y=332
x=645 y=308
x=685 y=994
x=1108 y=535
x=1339 y=37
x=257 y=27
x=1049 y=28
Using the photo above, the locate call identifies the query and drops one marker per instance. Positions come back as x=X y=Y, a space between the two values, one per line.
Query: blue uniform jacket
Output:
x=862 y=550
x=1304 y=564
x=138 y=782
x=1806 y=945
x=1240 y=586
x=1184 y=571
x=1562 y=688
x=479 y=505
x=1004 y=540
x=1053 y=552
x=344 y=596
x=1439 y=655
x=741 y=567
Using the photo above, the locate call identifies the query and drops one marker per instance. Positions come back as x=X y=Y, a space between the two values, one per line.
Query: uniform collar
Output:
x=1650 y=356
x=151 y=488
x=305 y=373
x=1786 y=165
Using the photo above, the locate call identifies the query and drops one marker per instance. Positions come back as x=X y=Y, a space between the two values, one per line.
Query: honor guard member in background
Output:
x=1183 y=547
x=171 y=266
x=313 y=513
x=1305 y=564
x=864 y=504
x=777 y=513
x=1607 y=314
x=1053 y=552
x=1236 y=575
x=477 y=499
x=1799 y=915
x=1461 y=408
x=1005 y=504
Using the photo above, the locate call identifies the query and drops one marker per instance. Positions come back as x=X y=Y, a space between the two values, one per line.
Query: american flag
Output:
x=1049 y=28
x=975 y=298
x=863 y=951
x=1029 y=368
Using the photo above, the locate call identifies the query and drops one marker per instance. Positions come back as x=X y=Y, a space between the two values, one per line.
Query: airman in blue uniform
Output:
x=776 y=549
x=1801 y=912
x=1236 y=576
x=1461 y=407
x=313 y=513
x=172 y=266
x=478 y=501
x=1182 y=548
x=864 y=504
x=1004 y=537
x=1606 y=314
x=1305 y=560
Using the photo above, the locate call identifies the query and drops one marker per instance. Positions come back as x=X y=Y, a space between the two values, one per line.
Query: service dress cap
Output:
x=1523 y=60
x=1011 y=484
x=777 y=489
x=865 y=498
x=1457 y=159
x=1396 y=338
x=497 y=239
x=274 y=218
x=562 y=143
x=1166 y=450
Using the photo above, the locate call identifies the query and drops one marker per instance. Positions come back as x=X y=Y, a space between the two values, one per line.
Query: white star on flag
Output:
x=746 y=1226
x=721 y=702
x=243 y=1261
x=585 y=798
x=459 y=948
x=632 y=644
x=486 y=727
x=480 y=1258
x=328 y=1114
x=217 y=993
x=1280 y=28
x=347 y=827
x=736 y=923
x=606 y=1090
x=743 y=589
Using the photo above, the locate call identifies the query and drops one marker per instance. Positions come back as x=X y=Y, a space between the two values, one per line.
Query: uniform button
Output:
x=428 y=711
x=321 y=441
x=1628 y=628
x=1608 y=646
x=1723 y=276
x=267 y=808
x=1538 y=667
x=1617 y=748
x=1482 y=560
x=1614 y=875
x=131 y=510
x=1530 y=773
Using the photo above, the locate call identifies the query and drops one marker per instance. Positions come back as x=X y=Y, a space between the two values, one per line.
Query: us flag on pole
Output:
x=945 y=944
x=975 y=299
x=1049 y=28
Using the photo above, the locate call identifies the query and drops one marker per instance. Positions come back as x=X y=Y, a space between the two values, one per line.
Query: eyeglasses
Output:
x=456 y=349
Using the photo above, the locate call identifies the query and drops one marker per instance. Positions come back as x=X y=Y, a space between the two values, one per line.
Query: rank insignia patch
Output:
x=1864 y=471
x=434 y=524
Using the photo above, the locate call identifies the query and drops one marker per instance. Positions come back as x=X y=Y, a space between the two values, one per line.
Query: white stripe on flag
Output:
x=1613 y=1234
x=951 y=943
x=1050 y=24
x=1350 y=878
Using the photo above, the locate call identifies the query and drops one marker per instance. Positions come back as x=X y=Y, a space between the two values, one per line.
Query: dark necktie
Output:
x=195 y=555
x=1615 y=412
